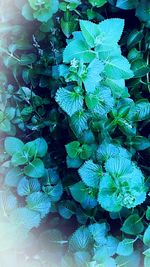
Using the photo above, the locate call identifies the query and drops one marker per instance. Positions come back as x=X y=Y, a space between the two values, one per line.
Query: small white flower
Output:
x=74 y=63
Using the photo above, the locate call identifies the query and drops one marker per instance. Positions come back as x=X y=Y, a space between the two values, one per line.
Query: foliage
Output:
x=74 y=118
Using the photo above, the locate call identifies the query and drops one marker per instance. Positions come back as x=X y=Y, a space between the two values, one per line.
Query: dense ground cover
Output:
x=74 y=123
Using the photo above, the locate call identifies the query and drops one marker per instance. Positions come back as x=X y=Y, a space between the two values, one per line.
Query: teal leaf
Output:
x=134 y=38
x=27 y=59
x=54 y=192
x=118 y=68
x=97 y=3
x=118 y=166
x=99 y=232
x=90 y=31
x=142 y=11
x=142 y=110
x=35 y=169
x=39 y=202
x=82 y=257
x=41 y=147
x=93 y=78
x=80 y=240
x=140 y=68
x=133 y=225
x=107 y=196
x=146 y=261
x=101 y=101
x=26 y=217
x=111 y=30
x=127 y=261
x=26 y=187
x=73 y=149
x=12 y=177
x=13 y=145
x=66 y=209
x=148 y=213
x=106 y=151
x=90 y=173
x=146 y=237
x=85 y=152
x=127 y=4
x=125 y=247
x=73 y=163
x=70 y=102
x=79 y=122
x=117 y=87
x=79 y=50
x=78 y=191
x=19 y=158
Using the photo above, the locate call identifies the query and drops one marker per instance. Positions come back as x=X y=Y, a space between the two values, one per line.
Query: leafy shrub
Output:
x=74 y=118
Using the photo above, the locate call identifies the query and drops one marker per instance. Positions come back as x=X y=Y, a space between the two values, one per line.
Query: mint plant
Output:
x=74 y=120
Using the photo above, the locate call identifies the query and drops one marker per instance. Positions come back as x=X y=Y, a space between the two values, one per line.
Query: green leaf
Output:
x=148 y=213
x=134 y=54
x=140 y=143
x=73 y=149
x=27 y=59
x=79 y=50
x=35 y=169
x=90 y=31
x=118 y=68
x=125 y=247
x=142 y=11
x=40 y=202
x=13 y=145
x=68 y=26
x=134 y=38
x=117 y=87
x=97 y=3
x=85 y=152
x=90 y=173
x=146 y=237
x=127 y=4
x=133 y=225
x=140 y=68
x=80 y=240
x=19 y=158
x=70 y=102
x=93 y=78
x=5 y=126
x=78 y=191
